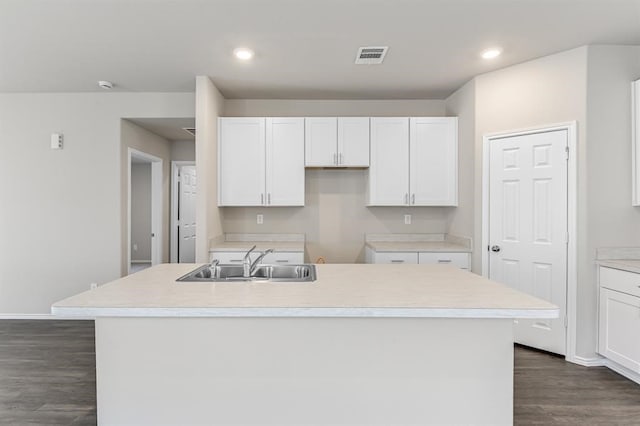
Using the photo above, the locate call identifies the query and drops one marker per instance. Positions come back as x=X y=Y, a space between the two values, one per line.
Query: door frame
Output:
x=156 y=205
x=175 y=200
x=572 y=219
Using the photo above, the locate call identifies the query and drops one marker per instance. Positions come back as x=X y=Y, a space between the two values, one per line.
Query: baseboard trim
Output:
x=623 y=371
x=588 y=362
x=40 y=317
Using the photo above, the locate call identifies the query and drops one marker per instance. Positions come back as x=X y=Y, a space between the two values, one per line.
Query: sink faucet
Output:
x=248 y=267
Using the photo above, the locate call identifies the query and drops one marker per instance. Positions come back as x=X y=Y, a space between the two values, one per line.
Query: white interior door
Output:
x=187 y=215
x=528 y=227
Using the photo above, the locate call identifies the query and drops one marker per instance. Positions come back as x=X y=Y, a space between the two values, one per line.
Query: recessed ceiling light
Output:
x=491 y=53
x=243 y=53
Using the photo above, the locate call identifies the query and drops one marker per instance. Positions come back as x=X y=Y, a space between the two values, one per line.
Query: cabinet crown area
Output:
x=410 y=161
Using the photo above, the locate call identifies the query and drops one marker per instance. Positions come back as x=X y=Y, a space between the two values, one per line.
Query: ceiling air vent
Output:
x=190 y=130
x=371 y=55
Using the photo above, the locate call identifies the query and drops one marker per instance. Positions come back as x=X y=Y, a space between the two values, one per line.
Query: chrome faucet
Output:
x=248 y=267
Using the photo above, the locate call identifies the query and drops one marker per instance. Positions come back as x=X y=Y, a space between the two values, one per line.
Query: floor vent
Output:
x=371 y=55
x=190 y=130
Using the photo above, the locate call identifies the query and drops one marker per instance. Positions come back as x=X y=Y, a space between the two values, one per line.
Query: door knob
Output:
x=495 y=248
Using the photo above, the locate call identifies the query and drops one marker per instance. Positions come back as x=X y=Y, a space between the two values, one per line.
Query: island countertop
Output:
x=341 y=290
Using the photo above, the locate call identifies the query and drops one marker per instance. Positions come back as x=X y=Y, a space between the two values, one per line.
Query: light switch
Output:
x=56 y=140
x=260 y=219
x=407 y=219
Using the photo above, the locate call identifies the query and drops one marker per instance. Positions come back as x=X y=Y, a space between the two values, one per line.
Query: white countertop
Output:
x=341 y=290
x=424 y=246
x=630 y=265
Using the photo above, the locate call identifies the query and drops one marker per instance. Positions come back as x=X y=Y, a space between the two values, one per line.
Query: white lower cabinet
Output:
x=461 y=260
x=226 y=257
x=619 y=317
x=394 y=257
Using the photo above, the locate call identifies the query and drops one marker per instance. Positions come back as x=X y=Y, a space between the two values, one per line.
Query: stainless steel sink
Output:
x=234 y=273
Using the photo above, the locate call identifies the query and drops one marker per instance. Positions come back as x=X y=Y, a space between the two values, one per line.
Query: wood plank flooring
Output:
x=47 y=377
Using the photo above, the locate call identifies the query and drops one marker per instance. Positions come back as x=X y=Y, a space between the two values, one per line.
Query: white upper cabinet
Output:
x=337 y=142
x=353 y=141
x=433 y=161
x=414 y=161
x=285 y=162
x=241 y=161
x=321 y=141
x=389 y=168
x=261 y=162
x=635 y=142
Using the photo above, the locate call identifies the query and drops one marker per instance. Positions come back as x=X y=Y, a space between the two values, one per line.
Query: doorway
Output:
x=144 y=247
x=183 y=212
x=529 y=226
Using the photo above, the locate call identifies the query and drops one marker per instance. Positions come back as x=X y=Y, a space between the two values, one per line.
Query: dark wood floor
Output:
x=47 y=377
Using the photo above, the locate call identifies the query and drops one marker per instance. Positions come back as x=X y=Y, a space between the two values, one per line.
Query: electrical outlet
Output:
x=93 y=286
x=135 y=247
x=260 y=219
x=407 y=219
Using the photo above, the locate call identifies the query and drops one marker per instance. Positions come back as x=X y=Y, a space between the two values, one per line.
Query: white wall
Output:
x=183 y=151
x=335 y=216
x=140 y=212
x=209 y=105
x=332 y=108
x=462 y=104
x=61 y=210
x=609 y=219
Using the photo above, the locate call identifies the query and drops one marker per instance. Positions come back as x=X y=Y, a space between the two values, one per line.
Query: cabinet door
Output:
x=241 y=159
x=353 y=141
x=321 y=142
x=389 y=168
x=279 y=257
x=619 y=322
x=285 y=162
x=433 y=161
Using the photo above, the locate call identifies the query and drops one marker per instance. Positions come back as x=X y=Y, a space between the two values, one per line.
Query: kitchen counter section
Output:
x=418 y=243
x=623 y=258
x=341 y=290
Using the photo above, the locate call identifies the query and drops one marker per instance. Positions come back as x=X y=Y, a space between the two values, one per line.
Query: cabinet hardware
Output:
x=444 y=260
x=406 y=198
x=235 y=260
x=261 y=199
x=282 y=261
x=340 y=161
x=413 y=199
x=269 y=198
x=335 y=158
x=397 y=261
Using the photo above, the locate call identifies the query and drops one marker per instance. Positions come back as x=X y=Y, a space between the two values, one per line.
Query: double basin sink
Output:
x=235 y=273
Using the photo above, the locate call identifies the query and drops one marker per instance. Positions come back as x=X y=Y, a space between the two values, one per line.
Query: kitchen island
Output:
x=363 y=344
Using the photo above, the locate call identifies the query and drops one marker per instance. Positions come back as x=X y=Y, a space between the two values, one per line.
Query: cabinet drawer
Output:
x=229 y=256
x=284 y=257
x=461 y=260
x=619 y=328
x=226 y=257
x=395 y=257
x=623 y=281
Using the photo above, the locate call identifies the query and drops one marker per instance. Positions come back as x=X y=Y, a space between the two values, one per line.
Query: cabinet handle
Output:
x=444 y=260
x=269 y=198
x=335 y=158
x=413 y=199
x=236 y=260
x=340 y=159
x=282 y=261
x=261 y=199
x=397 y=261
x=406 y=198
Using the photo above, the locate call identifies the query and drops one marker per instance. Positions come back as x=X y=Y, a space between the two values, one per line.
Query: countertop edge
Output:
x=619 y=264
x=306 y=312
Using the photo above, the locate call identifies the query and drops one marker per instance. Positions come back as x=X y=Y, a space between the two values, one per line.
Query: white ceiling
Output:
x=304 y=48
